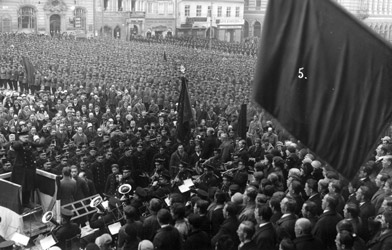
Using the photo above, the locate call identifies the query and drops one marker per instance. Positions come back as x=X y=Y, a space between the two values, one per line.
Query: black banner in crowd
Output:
x=326 y=77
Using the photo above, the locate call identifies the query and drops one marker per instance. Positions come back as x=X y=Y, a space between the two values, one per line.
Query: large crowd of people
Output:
x=102 y=113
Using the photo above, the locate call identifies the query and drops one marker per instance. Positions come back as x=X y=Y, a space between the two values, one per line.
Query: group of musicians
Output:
x=206 y=176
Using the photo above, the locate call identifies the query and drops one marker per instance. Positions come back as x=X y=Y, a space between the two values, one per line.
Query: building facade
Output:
x=254 y=12
x=231 y=20
x=377 y=14
x=47 y=16
x=226 y=22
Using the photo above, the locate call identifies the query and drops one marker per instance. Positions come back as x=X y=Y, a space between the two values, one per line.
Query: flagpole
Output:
x=210 y=44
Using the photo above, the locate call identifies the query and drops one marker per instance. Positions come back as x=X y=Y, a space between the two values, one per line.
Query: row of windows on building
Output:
x=380 y=7
x=199 y=11
x=27 y=19
x=384 y=30
x=160 y=8
x=371 y=7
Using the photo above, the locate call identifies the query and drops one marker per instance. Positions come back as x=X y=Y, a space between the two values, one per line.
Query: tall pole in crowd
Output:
x=210 y=26
x=94 y=16
x=102 y=9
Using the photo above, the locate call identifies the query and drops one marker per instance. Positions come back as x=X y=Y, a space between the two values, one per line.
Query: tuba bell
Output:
x=97 y=203
x=124 y=189
x=48 y=217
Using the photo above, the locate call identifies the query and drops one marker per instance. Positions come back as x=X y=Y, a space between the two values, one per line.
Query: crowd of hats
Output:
x=91 y=66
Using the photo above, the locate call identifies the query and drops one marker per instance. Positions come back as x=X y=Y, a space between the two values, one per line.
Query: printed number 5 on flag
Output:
x=301 y=73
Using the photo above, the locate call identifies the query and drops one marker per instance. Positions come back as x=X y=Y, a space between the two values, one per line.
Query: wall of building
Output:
x=194 y=18
x=44 y=10
x=169 y=16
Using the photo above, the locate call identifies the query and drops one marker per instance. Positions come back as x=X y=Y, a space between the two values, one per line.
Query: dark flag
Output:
x=242 y=122
x=164 y=56
x=184 y=112
x=326 y=78
x=29 y=68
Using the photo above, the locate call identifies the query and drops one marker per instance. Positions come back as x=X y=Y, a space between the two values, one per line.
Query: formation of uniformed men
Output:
x=100 y=127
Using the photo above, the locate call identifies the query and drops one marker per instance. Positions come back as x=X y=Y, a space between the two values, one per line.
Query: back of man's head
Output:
x=302 y=227
x=155 y=205
x=164 y=216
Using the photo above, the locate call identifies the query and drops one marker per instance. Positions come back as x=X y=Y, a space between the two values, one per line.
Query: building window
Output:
x=187 y=10
x=198 y=10
x=209 y=11
x=80 y=18
x=237 y=11
x=258 y=4
x=170 y=8
x=228 y=12
x=149 y=7
x=219 y=11
x=161 y=8
x=155 y=7
x=27 y=18
x=5 y=24
x=165 y=7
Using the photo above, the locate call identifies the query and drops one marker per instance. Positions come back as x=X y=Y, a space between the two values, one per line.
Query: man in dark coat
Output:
x=363 y=196
x=210 y=143
x=265 y=236
x=245 y=232
x=150 y=224
x=176 y=158
x=168 y=237
x=312 y=192
x=197 y=238
x=23 y=172
x=82 y=190
x=325 y=228
x=67 y=230
x=127 y=236
x=100 y=174
x=383 y=239
x=285 y=225
x=230 y=225
x=304 y=238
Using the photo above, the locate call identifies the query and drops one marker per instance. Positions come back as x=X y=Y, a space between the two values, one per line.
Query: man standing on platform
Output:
x=23 y=172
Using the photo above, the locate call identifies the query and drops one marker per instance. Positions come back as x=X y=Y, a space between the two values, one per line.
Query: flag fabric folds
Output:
x=242 y=122
x=326 y=78
x=184 y=112
x=29 y=68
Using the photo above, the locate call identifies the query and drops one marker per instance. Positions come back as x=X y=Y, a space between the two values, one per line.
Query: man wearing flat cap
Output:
x=208 y=179
x=162 y=187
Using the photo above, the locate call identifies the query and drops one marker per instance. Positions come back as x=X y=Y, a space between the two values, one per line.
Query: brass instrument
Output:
x=145 y=212
x=176 y=179
x=230 y=170
x=124 y=189
x=208 y=160
x=97 y=203
x=116 y=215
x=48 y=217
x=198 y=178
